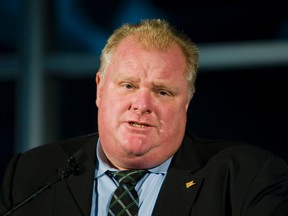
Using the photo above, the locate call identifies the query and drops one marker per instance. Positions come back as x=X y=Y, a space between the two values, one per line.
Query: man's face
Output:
x=142 y=103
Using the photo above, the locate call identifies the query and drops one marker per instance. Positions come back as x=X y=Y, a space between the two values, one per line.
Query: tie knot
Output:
x=127 y=176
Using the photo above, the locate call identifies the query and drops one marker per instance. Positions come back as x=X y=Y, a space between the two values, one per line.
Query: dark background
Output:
x=242 y=102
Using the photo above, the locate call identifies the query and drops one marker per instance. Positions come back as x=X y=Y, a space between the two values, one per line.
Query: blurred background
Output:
x=49 y=54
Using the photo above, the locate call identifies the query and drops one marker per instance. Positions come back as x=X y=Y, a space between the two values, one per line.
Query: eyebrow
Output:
x=164 y=86
x=127 y=77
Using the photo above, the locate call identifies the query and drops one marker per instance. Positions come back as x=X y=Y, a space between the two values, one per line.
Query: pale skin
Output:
x=142 y=105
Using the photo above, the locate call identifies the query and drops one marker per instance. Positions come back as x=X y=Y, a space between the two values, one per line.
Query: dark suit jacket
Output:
x=230 y=179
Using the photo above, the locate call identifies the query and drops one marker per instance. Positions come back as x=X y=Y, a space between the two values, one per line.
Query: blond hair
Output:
x=159 y=34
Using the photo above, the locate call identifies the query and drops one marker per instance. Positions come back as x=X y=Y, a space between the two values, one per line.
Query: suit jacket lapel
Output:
x=81 y=186
x=177 y=194
x=181 y=186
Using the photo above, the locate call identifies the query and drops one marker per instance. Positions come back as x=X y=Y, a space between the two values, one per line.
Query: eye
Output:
x=128 y=85
x=164 y=93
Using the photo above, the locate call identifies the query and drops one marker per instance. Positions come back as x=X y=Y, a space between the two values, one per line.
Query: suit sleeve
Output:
x=268 y=193
x=6 y=199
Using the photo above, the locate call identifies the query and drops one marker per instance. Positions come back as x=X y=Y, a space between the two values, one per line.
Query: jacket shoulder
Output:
x=67 y=146
x=195 y=148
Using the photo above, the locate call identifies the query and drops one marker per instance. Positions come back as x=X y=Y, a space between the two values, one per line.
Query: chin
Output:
x=135 y=152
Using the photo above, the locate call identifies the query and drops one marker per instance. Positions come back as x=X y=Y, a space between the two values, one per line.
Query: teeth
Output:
x=137 y=125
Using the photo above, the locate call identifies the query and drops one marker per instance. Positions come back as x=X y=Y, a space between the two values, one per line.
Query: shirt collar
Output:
x=103 y=165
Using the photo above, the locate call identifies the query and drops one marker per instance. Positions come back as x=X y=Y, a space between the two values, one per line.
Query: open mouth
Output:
x=139 y=125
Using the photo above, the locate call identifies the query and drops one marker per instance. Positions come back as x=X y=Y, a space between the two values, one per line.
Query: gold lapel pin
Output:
x=190 y=184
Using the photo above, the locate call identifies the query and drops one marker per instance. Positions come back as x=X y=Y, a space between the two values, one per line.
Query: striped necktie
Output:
x=125 y=199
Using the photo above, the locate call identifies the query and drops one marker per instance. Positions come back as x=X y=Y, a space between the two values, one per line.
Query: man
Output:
x=144 y=86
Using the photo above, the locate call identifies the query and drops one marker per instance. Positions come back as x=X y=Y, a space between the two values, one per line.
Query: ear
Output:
x=187 y=104
x=98 y=80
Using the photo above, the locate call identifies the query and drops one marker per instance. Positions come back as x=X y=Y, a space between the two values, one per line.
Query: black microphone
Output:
x=75 y=166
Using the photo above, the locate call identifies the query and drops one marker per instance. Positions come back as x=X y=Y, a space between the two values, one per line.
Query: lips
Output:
x=138 y=124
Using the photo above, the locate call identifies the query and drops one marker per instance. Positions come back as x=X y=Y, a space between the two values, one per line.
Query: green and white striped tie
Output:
x=125 y=200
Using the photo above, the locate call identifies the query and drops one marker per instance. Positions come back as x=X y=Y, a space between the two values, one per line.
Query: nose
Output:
x=142 y=103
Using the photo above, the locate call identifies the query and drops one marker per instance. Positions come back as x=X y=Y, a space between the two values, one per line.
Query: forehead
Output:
x=130 y=52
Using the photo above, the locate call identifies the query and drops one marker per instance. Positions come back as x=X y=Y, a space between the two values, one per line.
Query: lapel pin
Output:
x=190 y=184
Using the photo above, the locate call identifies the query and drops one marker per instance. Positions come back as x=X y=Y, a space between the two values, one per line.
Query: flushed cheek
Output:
x=171 y=118
x=109 y=117
x=173 y=128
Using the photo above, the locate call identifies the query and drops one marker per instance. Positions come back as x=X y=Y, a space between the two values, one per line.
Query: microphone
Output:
x=75 y=166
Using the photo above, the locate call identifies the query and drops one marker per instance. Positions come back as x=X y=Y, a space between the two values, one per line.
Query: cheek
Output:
x=172 y=116
x=111 y=109
x=173 y=124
